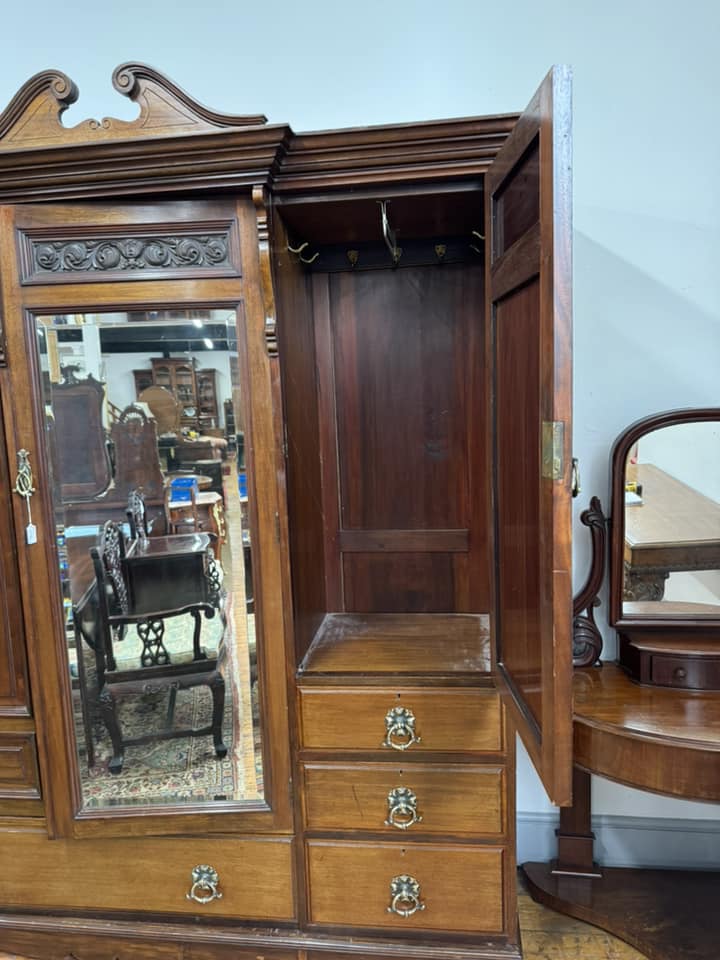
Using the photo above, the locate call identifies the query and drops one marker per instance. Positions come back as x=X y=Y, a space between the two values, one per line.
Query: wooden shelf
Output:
x=421 y=644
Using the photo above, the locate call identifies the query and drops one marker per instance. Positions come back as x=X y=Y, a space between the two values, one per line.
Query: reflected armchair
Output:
x=154 y=667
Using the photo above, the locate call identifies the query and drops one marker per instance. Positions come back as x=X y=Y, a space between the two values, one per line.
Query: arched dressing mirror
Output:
x=665 y=548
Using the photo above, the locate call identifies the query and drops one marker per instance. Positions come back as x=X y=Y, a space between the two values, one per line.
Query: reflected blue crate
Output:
x=242 y=485
x=181 y=487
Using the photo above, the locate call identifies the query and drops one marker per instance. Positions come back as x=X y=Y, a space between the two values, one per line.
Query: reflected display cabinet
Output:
x=289 y=734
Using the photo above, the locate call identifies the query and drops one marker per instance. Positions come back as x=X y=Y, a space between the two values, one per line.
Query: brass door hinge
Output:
x=553 y=441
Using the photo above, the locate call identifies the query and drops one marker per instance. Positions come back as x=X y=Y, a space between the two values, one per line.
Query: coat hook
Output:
x=440 y=251
x=479 y=236
x=389 y=235
x=353 y=256
x=299 y=252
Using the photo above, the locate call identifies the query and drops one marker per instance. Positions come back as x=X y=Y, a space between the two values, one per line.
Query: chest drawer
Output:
x=148 y=875
x=417 y=887
x=401 y=720
x=439 y=799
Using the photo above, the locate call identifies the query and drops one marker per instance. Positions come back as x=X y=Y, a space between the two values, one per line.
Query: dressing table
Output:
x=651 y=720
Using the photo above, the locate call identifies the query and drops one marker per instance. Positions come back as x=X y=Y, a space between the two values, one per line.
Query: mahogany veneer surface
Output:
x=447 y=720
x=452 y=799
x=460 y=885
x=415 y=644
x=667 y=914
x=654 y=738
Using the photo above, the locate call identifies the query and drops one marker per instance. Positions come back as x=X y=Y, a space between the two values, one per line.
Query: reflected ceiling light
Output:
x=208 y=343
x=198 y=322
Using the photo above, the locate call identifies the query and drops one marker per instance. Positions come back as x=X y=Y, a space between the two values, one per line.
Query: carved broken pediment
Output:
x=32 y=119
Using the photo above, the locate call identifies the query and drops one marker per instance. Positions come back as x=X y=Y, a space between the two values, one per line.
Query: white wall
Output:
x=647 y=159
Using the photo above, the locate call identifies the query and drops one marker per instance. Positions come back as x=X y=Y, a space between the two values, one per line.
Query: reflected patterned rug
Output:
x=182 y=770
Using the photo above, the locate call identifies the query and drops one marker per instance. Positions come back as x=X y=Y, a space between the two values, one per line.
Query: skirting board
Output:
x=658 y=842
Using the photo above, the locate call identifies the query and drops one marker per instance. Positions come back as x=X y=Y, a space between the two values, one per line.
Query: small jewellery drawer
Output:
x=243 y=879
x=416 y=887
x=441 y=799
x=458 y=720
x=687 y=673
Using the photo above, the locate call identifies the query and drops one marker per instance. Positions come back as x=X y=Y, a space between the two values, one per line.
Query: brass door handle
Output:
x=204 y=885
x=402 y=809
x=405 y=896
x=400 y=729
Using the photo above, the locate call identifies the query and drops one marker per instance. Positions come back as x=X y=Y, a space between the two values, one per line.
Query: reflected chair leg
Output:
x=217 y=686
x=109 y=715
x=172 y=698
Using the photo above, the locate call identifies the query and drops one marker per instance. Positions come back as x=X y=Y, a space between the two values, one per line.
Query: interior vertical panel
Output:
x=517 y=451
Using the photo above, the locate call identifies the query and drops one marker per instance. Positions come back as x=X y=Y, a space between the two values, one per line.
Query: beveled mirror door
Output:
x=665 y=542
x=154 y=577
x=154 y=542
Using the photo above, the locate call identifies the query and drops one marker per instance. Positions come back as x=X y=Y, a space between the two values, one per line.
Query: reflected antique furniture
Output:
x=83 y=463
x=137 y=465
x=202 y=512
x=676 y=528
x=165 y=408
x=194 y=390
x=123 y=605
x=402 y=385
x=661 y=734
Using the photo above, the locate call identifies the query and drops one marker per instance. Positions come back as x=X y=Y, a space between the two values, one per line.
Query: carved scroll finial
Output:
x=38 y=103
x=268 y=297
x=162 y=101
x=32 y=118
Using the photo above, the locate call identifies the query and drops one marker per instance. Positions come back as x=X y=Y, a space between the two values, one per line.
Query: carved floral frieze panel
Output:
x=161 y=253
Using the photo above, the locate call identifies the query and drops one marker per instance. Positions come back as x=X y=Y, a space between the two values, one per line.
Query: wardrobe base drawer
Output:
x=443 y=799
x=451 y=888
x=148 y=875
x=401 y=720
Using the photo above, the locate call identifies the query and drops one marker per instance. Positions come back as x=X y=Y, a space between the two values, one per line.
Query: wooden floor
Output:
x=547 y=935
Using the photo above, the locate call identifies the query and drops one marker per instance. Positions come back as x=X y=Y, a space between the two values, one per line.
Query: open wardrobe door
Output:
x=530 y=311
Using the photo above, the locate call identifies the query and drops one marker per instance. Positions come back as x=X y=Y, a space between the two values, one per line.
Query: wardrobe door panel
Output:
x=148 y=623
x=14 y=692
x=529 y=309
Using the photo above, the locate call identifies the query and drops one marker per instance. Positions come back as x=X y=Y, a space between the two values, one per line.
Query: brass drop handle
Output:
x=405 y=896
x=402 y=809
x=400 y=729
x=204 y=885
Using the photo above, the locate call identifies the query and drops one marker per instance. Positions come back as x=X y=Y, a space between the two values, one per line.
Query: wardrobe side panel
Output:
x=296 y=349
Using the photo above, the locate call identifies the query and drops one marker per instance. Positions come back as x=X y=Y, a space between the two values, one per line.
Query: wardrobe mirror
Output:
x=666 y=490
x=152 y=507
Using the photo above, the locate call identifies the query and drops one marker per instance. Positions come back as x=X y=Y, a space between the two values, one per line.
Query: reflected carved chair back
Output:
x=137 y=462
x=137 y=516
x=141 y=651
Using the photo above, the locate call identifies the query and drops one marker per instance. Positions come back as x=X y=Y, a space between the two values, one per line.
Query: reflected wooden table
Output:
x=674 y=529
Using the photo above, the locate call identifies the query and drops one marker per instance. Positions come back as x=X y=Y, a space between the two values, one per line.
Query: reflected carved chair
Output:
x=154 y=668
